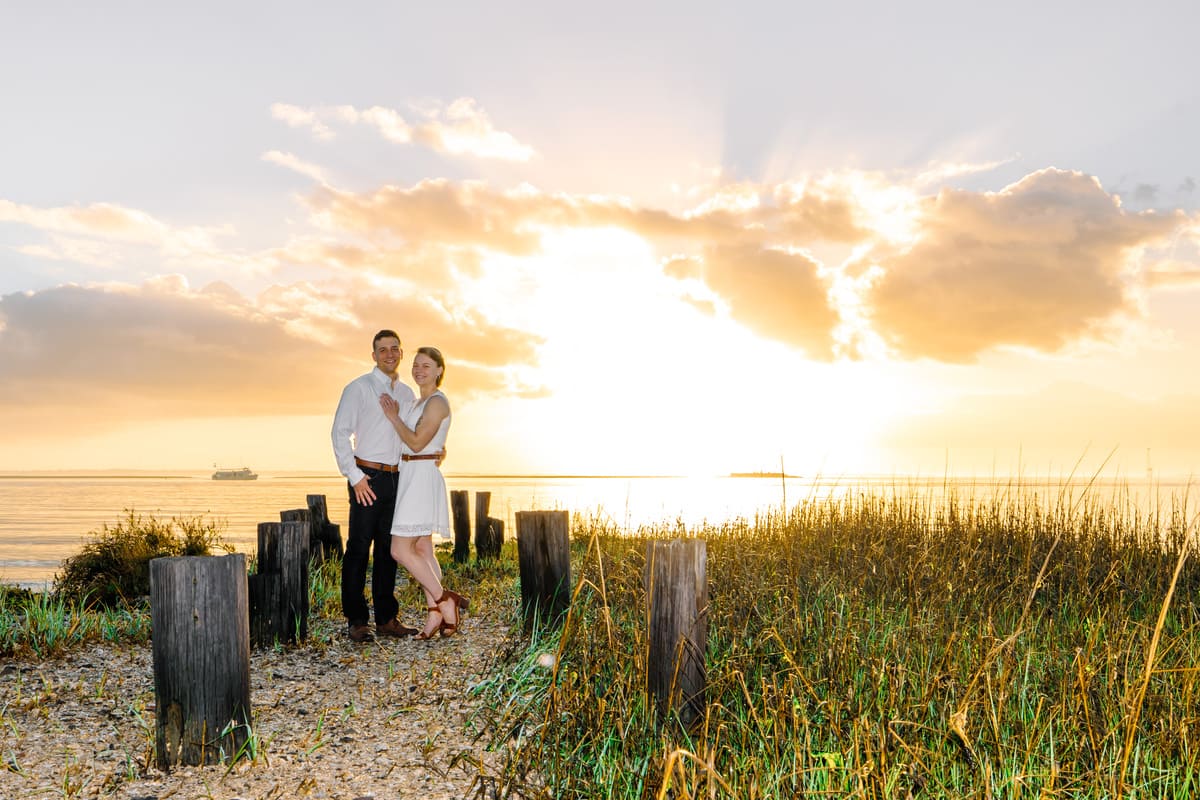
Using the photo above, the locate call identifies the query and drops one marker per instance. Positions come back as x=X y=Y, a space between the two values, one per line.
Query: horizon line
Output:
x=150 y=473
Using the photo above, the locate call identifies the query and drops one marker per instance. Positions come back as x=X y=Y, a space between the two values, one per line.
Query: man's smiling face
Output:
x=387 y=354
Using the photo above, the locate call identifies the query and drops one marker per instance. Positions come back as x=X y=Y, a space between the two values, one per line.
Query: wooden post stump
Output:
x=544 y=556
x=326 y=543
x=268 y=612
x=283 y=550
x=495 y=536
x=462 y=526
x=201 y=650
x=297 y=515
x=677 y=597
x=489 y=538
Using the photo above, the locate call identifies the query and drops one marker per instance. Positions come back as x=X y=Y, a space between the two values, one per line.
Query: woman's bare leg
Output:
x=406 y=550
x=425 y=548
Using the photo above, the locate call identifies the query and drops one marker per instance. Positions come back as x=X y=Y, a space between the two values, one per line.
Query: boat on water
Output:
x=241 y=474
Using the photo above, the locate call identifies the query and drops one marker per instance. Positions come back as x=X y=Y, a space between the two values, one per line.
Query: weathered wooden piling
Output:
x=283 y=550
x=302 y=515
x=489 y=532
x=462 y=525
x=326 y=537
x=201 y=651
x=496 y=536
x=677 y=599
x=544 y=557
x=268 y=611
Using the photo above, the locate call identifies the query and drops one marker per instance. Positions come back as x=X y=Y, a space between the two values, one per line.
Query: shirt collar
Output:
x=382 y=377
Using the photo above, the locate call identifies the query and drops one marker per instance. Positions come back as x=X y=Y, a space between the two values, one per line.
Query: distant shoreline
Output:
x=828 y=479
x=763 y=475
x=183 y=474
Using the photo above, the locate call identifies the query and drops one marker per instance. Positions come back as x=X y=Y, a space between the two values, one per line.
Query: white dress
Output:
x=422 y=508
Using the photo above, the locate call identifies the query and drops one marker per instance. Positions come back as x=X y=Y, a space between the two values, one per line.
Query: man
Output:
x=367 y=450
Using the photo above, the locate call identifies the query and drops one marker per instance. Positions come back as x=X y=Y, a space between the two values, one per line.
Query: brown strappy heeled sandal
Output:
x=422 y=635
x=448 y=629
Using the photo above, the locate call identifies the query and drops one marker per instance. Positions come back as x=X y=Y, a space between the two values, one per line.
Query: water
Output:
x=45 y=518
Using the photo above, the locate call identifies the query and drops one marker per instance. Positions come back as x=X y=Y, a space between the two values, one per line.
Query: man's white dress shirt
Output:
x=359 y=426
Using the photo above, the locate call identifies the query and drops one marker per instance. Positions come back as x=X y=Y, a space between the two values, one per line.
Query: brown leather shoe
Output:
x=394 y=627
x=361 y=633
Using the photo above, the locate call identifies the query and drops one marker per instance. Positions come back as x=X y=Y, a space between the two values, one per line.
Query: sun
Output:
x=639 y=380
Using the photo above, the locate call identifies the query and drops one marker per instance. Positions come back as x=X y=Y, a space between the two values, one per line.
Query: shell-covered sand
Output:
x=388 y=719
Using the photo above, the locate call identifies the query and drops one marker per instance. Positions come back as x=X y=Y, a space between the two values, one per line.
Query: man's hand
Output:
x=441 y=458
x=363 y=492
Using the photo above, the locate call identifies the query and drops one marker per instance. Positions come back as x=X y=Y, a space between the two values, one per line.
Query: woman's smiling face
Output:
x=425 y=370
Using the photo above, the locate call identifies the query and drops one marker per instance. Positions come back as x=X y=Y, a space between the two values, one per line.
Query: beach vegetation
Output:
x=45 y=624
x=877 y=646
x=113 y=566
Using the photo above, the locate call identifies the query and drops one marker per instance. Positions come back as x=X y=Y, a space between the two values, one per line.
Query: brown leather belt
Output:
x=376 y=465
x=420 y=456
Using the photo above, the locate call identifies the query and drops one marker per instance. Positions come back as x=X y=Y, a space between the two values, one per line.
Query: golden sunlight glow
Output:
x=730 y=266
x=619 y=348
x=738 y=198
x=889 y=209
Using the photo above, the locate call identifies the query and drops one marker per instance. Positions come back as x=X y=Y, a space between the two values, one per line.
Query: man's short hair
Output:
x=384 y=334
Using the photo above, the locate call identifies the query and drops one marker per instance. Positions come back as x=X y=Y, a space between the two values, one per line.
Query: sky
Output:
x=917 y=238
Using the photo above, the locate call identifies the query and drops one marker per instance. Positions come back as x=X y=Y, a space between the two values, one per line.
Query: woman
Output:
x=421 y=507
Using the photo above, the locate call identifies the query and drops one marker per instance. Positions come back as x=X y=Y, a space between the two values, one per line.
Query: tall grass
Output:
x=882 y=646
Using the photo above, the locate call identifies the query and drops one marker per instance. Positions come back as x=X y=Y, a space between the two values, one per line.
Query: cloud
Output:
x=1045 y=262
x=805 y=214
x=461 y=128
x=435 y=268
x=473 y=214
x=289 y=161
x=298 y=117
x=1145 y=193
x=108 y=235
x=161 y=350
x=775 y=293
x=433 y=211
x=1048 y=261
x=939 y=172
x=76 y=251
x=103 y=220
x=1039 y=264
x=1173 y=275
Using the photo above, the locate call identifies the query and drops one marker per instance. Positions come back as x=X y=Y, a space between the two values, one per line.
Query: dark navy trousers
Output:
x=371 y=524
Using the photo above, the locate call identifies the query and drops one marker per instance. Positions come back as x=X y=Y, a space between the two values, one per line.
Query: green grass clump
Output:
x=879 y=647
x=99 y=593
x=40 y=625
x=113 y=567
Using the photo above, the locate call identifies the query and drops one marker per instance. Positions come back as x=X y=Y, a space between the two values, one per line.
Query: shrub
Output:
x=114 y=567
x=14 y=596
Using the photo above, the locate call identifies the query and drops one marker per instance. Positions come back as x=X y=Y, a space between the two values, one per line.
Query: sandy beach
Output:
x=333 y=719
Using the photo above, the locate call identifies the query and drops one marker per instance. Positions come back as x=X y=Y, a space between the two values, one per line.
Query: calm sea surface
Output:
x=45 y=518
